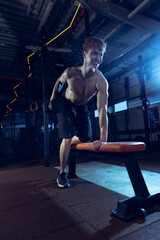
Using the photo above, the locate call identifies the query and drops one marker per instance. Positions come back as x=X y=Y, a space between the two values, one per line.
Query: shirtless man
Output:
x=73 y=89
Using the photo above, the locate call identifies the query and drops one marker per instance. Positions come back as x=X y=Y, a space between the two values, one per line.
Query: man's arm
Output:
x=102 y=103
x=62 y=79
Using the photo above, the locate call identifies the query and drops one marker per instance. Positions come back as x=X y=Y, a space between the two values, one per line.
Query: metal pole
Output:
x=27 y=120
x=87 y=28
x=127 y=111
x=45 y=114
x=91 y=102
x=144 y=100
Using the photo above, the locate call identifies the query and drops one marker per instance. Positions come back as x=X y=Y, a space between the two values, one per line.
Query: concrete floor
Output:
x=33 y=207
x=115 y=177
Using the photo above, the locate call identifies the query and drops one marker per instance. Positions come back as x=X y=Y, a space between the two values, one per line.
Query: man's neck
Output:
x=86 y=71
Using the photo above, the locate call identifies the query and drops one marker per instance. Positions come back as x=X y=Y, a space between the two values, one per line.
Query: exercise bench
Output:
x=129 y=208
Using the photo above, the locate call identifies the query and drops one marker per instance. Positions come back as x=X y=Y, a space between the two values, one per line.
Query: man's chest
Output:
x=82 y=86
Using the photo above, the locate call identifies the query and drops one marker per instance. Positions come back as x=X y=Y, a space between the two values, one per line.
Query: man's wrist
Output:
x=103 y=139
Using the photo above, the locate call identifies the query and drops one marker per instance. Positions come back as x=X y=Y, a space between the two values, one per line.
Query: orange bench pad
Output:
x=121 y=147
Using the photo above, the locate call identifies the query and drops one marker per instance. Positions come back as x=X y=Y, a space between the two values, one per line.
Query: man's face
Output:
x=93 y=58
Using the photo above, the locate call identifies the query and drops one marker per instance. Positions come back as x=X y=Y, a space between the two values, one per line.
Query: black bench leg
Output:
x=72 y=165
x=129 y=208
x=136 y=177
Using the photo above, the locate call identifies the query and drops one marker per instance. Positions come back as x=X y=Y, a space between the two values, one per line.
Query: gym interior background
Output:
x=38 y=40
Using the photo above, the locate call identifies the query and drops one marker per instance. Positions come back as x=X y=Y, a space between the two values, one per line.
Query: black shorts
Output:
x=73 y=120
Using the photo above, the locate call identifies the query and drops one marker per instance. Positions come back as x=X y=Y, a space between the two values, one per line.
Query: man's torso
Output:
x=80 y=89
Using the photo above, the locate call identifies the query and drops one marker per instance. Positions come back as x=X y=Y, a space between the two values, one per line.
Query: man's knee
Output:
x=67 y=141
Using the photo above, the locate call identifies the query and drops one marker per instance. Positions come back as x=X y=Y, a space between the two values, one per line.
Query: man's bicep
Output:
x=102 y=95
x=102 y=100
x=64 y=76
x=59 y=84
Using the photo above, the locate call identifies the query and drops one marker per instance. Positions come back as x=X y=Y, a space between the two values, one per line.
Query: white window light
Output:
x=96 y=113
x=120 y=106
x=109 y=110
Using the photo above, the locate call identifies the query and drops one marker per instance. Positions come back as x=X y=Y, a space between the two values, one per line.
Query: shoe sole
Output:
x=63 y=186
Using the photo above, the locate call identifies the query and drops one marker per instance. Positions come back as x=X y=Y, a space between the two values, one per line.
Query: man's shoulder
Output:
x=100 y=76
x=66 y=73
x=71 y=70
x=102 y=84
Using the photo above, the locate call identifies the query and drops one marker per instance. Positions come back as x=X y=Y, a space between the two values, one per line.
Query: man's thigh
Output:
x=83 y=124
x=66 y=123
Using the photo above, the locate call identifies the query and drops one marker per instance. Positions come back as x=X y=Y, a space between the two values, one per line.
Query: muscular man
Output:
x=73 y=89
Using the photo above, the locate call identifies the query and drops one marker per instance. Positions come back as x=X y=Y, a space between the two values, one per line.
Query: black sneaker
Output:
x=62 y=180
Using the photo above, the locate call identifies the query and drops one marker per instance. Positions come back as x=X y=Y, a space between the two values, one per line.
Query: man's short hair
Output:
x=94 y=42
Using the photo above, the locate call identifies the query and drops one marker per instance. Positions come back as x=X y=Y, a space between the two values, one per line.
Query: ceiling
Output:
x=130 y=28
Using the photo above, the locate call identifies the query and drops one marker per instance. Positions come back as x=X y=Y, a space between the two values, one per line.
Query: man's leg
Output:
x=64 y=153
x=62 y=180
x=67 y=129
x=83 y=124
